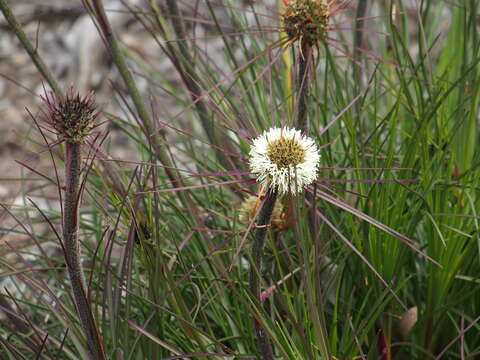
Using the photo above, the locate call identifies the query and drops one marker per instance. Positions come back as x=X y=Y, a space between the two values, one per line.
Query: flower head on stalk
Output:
x=306 y=20
x=311 y=23
x=285 y=159
x=72 y=118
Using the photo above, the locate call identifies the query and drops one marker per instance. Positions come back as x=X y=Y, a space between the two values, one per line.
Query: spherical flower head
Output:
x=251 y=206
x=72 y=117
x=306 y=20
x=285 y=158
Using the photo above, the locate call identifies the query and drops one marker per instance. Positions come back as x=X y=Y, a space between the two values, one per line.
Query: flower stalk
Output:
x=305 y=21
x=72 y=119
x=264 y=218
x=303 y=88
x=72 y=248
x=358 y=38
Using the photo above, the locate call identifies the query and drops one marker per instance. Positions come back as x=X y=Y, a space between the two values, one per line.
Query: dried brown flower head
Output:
x=250 y=208
x=306 y=20
x=73 y=117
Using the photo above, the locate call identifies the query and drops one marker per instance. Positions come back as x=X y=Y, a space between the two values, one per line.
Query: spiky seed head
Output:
x=306 y=20
x=72 y=117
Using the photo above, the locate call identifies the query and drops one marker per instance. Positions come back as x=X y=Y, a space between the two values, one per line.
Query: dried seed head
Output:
x=250 y=208
x=72 y=117
x=306 y=20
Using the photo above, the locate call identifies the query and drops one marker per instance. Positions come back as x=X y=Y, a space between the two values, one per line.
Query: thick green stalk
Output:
x=32 y=52
x=72 y=249
x=264 y=218
x=357 y=69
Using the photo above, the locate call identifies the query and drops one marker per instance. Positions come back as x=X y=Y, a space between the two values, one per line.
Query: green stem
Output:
x=246 y=85
x=264 y=218
x=72 y=249
x=32 y=52
x=358 y=37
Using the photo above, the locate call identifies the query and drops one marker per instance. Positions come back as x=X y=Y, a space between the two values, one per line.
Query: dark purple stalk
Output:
x=302 y=119
x=358 y=45
x=358 y=39
x=265 y=346
x=72 y=249
x=302 y=88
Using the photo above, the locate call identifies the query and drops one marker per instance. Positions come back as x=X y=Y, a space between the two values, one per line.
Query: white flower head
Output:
x=285 y=158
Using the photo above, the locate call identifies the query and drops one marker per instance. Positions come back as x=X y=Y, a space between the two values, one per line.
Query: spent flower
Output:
x=306 y=20
x=251 y=206
x=72 y=117
x=284 y=158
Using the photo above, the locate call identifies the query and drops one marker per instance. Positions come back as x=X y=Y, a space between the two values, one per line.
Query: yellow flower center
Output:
x=285 y=152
